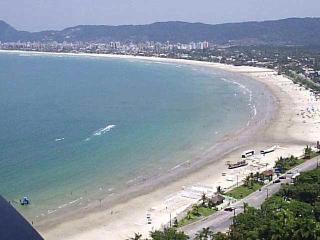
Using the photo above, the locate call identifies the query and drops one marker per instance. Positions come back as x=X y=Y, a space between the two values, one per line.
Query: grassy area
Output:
x=314 y=154
x=284 y=163
x=290 y=162
x=296 y=163
x=293 y=213
x=192 y=217
x=300 y=161
x=199 y=212
x=243 y=191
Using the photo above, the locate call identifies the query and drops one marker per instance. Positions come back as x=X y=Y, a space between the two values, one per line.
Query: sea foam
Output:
x=245 y=91
x=101 y=131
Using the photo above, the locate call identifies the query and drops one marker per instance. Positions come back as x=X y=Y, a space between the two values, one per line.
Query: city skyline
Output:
x=39 y=15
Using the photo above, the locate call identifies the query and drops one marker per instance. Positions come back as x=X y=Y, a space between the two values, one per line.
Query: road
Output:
x=221 y=220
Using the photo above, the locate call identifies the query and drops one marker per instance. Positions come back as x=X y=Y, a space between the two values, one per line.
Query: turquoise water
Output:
x=80 y=126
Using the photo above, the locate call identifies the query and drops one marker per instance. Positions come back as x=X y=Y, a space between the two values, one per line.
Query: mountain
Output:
x=291 y=31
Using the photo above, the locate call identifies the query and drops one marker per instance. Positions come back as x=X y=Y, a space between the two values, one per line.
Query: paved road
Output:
x=221 y=220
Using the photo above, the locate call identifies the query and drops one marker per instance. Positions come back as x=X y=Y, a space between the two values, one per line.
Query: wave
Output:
x=101 y=131
x=24 y=55
x=50 y=211
x=136 y=180
x=183 y=164
x=59 y=139
x=245 y=91
x=104 y=130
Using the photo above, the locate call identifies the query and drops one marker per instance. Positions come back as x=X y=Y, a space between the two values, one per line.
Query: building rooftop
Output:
x=13 y=226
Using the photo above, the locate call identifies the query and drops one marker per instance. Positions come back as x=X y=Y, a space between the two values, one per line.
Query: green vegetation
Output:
x=205 y=234
x=195 y=214
x=300 y=79
x=165 y=234
x=168 y=233
x=284 y=164
x=251 y=184
x=204 y=209
x=309 y=153
x=243 y=191
x=279 y=32
x=294 y=213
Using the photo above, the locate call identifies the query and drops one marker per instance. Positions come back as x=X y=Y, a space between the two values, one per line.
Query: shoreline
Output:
x=90 y=223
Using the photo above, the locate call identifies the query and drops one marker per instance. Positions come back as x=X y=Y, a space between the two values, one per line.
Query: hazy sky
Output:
x=37 y=15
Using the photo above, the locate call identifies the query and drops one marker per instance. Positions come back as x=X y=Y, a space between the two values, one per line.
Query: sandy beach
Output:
x=289 y=120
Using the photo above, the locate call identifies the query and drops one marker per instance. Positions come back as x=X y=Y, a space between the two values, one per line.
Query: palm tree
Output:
x=168 y=233
x=205 y=234
x=204 y=199
x=245 y=206
x=247 y=181
x=189 y=215
x=220 y=236
x=219 y=190
x=307 y=152
x=137 y=236
x=175 y=223
x=195 y=210
x=199 y=236
x=211 y=203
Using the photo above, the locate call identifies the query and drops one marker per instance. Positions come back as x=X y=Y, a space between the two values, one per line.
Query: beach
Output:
x=289 y=120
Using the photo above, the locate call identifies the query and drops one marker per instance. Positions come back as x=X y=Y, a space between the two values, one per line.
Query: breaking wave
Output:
x=245 y=92
x=101 y=131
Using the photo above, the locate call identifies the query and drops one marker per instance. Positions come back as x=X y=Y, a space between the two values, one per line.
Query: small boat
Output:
x=238 y=164
x=248 y=153
x=25 y=201
x=269 y=150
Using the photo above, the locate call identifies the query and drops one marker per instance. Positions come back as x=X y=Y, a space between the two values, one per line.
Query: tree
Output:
x=205 y=234
x=246 y=182
x=211 y=203
x=137 y=236
x=189 y=214
x=204 y=199
x=175 y=223
x=280 y=219
x=168 y=234
x=307 y=152
x=245 y=206
x=195 y=210
x=221 y=236
x=317 y=211
x=257 y=176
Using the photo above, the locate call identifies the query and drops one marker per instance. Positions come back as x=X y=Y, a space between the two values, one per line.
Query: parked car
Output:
x=276 y=181
x=229 y=209
x=282 y=177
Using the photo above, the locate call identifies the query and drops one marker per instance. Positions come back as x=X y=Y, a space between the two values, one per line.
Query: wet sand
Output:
x=289 y=119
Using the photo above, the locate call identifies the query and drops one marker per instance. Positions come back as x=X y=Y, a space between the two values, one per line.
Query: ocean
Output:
x=77 y=129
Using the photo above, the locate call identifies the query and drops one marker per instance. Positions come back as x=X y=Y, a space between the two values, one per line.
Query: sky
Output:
x=35 y=15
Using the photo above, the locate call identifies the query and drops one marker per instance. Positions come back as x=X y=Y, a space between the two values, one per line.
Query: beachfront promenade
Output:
x=221 y=220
